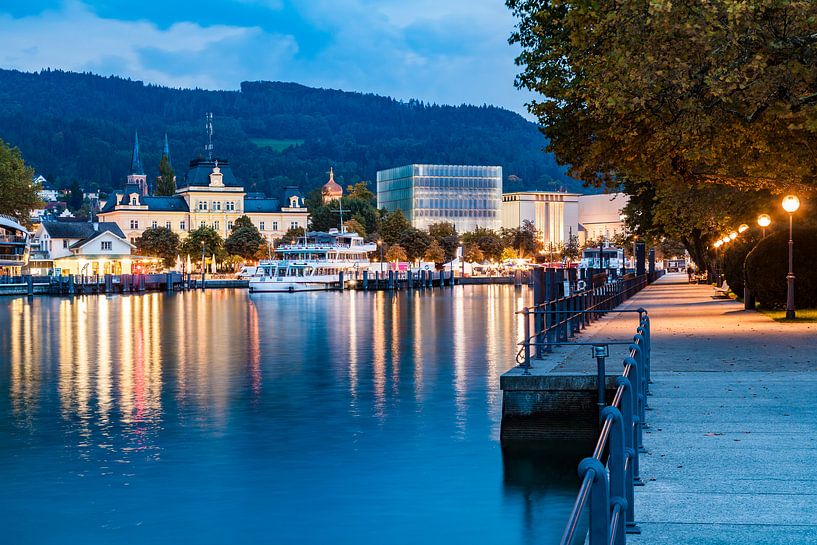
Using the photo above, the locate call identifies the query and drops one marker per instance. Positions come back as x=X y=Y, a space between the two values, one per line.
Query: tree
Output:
x=415 y=242
x=361 y=191
x=488 y=241
x=75 y=197
x=394 y=226
x=434 y=253
x=473 y=254
x=571 y=248
x=354 y=226
x=166 y=184
x=292 y=234
x=160 y=242
x=441 y=230
x=396 y=253
x=524 y=239
x=18 y=193
x=674 y=92
x=213 y=243
x=244 y=239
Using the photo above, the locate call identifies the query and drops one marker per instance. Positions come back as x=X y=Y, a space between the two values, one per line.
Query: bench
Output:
x=722 y=291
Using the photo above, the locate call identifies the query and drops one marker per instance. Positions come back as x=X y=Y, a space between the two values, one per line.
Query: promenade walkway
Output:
x=732 y=444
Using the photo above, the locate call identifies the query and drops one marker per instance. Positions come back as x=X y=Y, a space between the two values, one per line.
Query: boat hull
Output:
x=274 y=286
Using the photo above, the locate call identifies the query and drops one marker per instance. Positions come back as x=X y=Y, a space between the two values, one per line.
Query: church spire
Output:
x=166 y=152
x=136 y=161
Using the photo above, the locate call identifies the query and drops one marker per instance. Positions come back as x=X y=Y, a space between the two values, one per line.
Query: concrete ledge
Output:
x=552 y=410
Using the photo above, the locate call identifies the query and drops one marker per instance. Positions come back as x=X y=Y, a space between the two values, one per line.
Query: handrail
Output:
x=610 y=489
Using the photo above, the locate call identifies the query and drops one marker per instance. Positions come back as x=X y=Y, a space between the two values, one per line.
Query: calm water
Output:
x=224 y=417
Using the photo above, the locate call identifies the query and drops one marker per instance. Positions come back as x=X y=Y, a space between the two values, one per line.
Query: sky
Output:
x=443 y=51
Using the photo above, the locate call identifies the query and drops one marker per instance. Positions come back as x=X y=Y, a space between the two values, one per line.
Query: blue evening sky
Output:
x=444 y=51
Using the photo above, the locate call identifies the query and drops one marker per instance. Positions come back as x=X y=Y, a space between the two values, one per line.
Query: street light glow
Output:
x=791 y=203
x=726 y=240
x=743 y=227
x=733 y=235
x=764 y=220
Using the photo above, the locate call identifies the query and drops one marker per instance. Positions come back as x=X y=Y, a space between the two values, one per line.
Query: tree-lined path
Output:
x=732 y=441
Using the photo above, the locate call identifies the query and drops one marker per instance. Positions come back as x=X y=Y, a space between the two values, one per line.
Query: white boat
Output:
x=14 y=246
x=313 y=263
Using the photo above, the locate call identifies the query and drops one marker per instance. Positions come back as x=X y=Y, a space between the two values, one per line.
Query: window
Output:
x=202 y=205
x=293 y=225
x=134 y=224
x=107 y=245
x=215 y=225
x=217 y=205
x=274 y=225
x=167 y=225
x=202 y=224
x=229 y=225
x=181 y=225
x=65 y=243
x=261 y=225
x=134 y=200
x=230 y=205
x=155 y=224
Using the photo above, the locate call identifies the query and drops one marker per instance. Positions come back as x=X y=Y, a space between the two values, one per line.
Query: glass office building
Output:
x=465 y=195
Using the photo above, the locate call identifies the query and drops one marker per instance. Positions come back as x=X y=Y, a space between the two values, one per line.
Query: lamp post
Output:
x=764 y=220
x=380 y=245
x=790 y=204
x=202 y=264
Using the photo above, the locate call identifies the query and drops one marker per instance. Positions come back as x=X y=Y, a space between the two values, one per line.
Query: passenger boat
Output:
x=313 y=263
x=14 y=246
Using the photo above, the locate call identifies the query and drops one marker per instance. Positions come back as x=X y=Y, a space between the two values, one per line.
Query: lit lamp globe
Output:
x=733 y=235
x=764 y=220
x=718 y=243
x=742 y=228
x=791 y=203
x=726 y=240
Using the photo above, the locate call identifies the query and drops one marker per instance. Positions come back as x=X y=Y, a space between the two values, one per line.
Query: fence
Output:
x=609 y=489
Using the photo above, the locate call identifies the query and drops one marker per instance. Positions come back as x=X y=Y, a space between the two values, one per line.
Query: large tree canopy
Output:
x=723 y=91
x=18 y=193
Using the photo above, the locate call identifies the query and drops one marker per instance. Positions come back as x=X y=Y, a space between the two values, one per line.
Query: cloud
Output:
x=446 y=52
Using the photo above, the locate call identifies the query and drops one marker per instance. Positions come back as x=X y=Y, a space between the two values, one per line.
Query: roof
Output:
x=199 y=173
x=80 y=230
x=172 y=203
x=98 y=234
x=261 y=205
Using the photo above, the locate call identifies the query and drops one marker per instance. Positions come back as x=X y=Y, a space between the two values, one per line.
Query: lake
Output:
x=228 y=417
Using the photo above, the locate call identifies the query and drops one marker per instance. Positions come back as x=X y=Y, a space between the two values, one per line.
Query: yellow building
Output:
x=210 y=195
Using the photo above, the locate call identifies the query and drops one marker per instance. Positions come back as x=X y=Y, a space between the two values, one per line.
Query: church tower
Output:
x=137 y=175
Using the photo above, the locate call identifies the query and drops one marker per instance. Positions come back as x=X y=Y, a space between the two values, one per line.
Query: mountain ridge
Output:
x=79 y=126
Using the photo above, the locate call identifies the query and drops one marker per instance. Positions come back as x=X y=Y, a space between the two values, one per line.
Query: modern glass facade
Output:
x=466 y=195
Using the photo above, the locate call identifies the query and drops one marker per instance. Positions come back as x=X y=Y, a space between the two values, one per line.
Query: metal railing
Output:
x=554 y=322
x=609 y=489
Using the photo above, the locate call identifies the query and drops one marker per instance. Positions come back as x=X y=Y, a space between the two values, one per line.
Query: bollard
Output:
x=141 y=282
x=391 y=280
x=340 y=280
x=409 y=280
x=71 y=287
x=600 y=352
x=599 y=501
x=365 y=280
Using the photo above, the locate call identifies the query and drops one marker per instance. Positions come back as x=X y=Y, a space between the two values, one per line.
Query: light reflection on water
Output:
x=290 y=418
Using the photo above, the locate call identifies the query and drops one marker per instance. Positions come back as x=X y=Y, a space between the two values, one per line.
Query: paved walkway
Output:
x=733 y=439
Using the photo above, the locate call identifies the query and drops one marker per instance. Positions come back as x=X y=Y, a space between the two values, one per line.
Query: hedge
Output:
x=768 y=263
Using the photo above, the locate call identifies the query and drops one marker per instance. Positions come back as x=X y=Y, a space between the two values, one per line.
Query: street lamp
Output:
x=733 y=235
x=790 y=204
x=380 y=245
x=764 y=220
x=742 y=228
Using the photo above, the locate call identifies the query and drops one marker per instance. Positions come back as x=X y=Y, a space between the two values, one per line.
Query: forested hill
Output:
x=72 y=126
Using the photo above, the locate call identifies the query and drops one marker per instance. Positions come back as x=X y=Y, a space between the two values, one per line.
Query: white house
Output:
x=81 y=248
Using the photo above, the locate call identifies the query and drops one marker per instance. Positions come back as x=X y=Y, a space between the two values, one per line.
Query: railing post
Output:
x=599 y=501
x=645 y=324
x=632 y=476
x=618 y=475
x=639 y=396
x=526 y=340
x=638 y=346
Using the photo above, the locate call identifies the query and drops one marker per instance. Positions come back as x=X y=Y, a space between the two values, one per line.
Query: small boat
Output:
x=313 y=263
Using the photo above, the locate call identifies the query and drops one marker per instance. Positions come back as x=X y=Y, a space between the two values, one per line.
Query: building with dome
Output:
x=331 y=190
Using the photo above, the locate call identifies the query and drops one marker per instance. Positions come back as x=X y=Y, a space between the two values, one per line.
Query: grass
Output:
x=805 y=315
x=274 y=144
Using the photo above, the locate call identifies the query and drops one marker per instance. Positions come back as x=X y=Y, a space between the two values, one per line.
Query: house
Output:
x=81 y=248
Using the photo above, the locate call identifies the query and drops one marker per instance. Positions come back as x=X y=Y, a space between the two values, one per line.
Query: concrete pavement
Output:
x=732 y=444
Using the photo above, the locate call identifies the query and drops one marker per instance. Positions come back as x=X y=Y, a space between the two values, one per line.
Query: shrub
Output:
x=768 y=263
x=734 y=259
